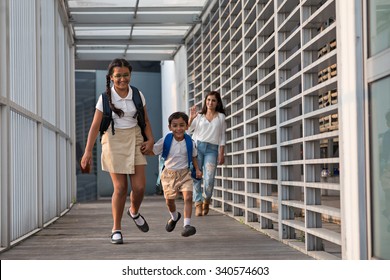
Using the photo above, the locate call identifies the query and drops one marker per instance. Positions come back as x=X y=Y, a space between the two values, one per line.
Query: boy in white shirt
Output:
x=176 y=176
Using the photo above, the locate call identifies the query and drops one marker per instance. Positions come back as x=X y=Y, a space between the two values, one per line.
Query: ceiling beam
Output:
x=163 y=48
x=154 y=40
x=162 y=9
x=128 y=56
x=127 y=19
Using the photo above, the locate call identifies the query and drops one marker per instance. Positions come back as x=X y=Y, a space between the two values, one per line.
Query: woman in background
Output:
x=208 y=129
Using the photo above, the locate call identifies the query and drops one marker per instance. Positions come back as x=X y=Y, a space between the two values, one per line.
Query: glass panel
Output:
x=380 y=166
x=379 y=26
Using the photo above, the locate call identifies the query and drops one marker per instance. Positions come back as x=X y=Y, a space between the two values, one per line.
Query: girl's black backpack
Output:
x=107 y=113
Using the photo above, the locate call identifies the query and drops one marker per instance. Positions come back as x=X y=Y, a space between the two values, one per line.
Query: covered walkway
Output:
x=83 y=234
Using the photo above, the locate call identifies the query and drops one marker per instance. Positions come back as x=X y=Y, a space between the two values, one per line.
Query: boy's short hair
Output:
x=178 y=115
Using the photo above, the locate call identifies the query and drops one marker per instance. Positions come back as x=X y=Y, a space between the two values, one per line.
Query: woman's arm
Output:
x=193 y=114
x=222 y=141
x=221 y=154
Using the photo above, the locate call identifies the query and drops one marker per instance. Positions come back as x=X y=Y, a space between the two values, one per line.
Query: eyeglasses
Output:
x=124 y=76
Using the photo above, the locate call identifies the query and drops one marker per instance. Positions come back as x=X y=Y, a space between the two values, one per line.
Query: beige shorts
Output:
x=122 y=151
x=175 y=181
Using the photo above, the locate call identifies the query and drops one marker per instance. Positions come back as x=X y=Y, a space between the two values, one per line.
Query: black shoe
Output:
x=188 y=231
x=117 y=241
x=144 y=227
x=171 y=224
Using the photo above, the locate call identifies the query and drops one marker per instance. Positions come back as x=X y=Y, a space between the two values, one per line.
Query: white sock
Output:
x=174 y=215
x=139 y=221
x=187 y=222
x=117 y=235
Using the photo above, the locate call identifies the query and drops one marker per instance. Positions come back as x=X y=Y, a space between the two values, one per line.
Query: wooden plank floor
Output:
x=84 y=234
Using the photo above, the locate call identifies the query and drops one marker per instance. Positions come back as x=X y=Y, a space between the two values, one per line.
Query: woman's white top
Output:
x=126 y=105
x=211 y=132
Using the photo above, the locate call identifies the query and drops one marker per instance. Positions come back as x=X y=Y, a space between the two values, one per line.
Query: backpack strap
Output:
x=140 y=114
x=167 y=145
x=107 y=116
x=189 y=143
x=189 y=148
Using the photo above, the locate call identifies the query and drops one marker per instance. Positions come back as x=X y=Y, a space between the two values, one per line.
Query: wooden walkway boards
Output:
x=84 y=234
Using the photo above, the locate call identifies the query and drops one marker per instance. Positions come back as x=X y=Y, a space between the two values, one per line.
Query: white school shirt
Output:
x=126 y=105
x=211 y=132
x=177 y=158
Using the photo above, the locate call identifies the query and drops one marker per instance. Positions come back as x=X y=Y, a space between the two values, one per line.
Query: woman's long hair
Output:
x=219 y=107
x=118 y=62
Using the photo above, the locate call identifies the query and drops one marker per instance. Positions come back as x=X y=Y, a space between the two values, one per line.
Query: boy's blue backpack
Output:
x=107 y=113
x=167 y=146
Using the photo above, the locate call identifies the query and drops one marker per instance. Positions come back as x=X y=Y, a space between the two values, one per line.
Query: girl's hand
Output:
x=86 y=162
x=147 y=148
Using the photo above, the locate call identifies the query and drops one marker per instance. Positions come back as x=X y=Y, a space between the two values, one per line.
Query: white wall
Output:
x=173 y=87
x=352 y=159
x=37 y=163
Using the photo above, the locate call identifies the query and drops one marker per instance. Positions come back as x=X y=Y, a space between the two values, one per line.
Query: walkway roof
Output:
x=138 y=30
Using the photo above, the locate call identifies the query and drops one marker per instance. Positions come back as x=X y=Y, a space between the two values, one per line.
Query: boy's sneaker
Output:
x=171 y=224
x=188 y=231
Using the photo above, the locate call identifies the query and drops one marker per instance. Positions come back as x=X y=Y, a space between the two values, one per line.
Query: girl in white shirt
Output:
x=122 y=152
x=208 y=129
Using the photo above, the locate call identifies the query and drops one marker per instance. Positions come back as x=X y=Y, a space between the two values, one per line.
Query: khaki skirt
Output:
x=122 y=151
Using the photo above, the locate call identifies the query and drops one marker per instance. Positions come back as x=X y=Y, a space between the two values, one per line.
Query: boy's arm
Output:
x=199 y=173
x=156 y=148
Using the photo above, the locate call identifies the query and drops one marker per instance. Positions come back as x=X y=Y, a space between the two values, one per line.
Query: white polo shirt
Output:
x=126 y=105
x=177 y=158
